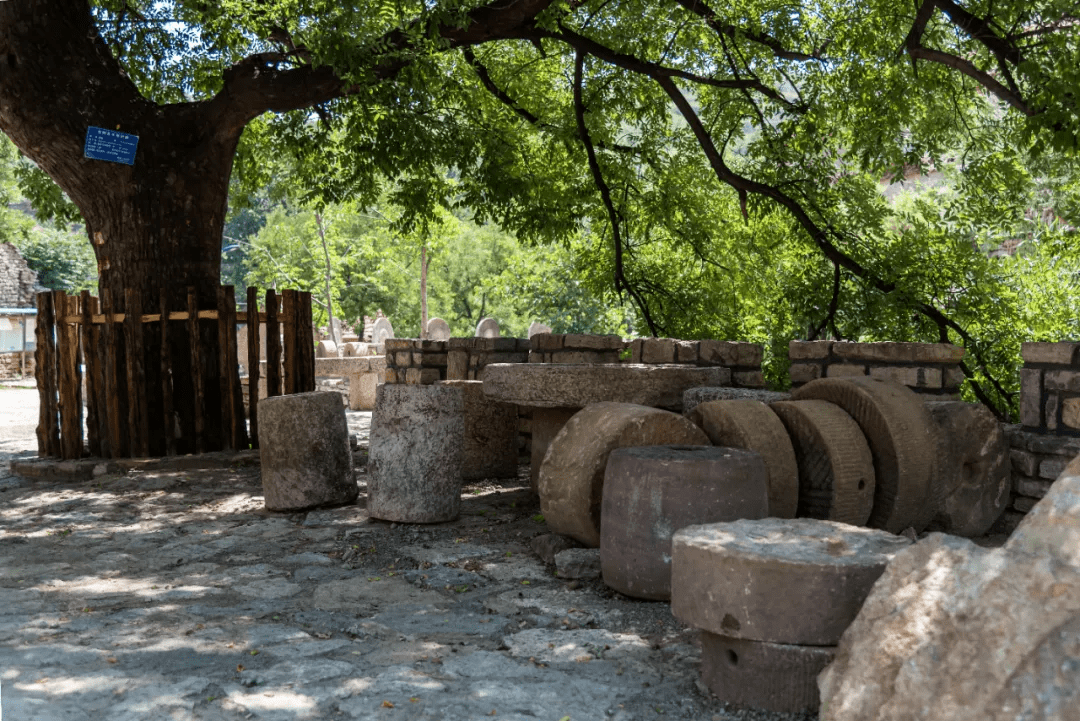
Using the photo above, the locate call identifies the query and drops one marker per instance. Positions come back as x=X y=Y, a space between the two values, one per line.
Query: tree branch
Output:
x=918 y=52
x=730 y=31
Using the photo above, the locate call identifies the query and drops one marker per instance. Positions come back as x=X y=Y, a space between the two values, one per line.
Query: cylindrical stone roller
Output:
x=652 y=491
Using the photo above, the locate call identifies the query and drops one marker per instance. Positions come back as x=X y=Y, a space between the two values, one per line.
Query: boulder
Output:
x=972 y=476
x=795 y=581
x=652 y=491
x=304 y=452
x=749 y=423
x=416 y=452
x=1052 y=527
x=951 y=632
x=582 y=563
x=572 y=475
x=546 y=545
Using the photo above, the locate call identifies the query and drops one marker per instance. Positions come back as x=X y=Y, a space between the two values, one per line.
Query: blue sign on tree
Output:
x=111 y=145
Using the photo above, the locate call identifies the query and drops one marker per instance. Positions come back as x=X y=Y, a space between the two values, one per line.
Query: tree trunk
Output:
x=155 y=224
x=329 y=296
x=423 y=291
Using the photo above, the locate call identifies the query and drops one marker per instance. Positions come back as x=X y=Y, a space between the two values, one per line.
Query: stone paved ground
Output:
x=174 y=595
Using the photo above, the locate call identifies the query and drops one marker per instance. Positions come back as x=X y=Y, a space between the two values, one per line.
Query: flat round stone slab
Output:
x=693 y=397
x=836 y=469
x=797 y=581
x=900 y=433
x=776 y=677
x=972 y=479
x=554 y=385
x=304 y=452
x=752 y=425
x=572 y=475
x=652 y=491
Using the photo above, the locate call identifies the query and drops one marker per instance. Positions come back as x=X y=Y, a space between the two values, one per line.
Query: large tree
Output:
x=679 y=119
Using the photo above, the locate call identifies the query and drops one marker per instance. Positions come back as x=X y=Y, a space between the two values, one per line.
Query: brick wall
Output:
x=930 y=368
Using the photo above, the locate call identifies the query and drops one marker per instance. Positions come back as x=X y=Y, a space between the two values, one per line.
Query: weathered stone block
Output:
x=581 y=341
x=748 y=379
x=1024 y=461
x=416 y=453
x=362 y=388
x=569 y=356
x=1050 y=411
x=457 y=364
x=393 y=345
x=1062 y=380
x=403 y=359
x=658 y=350
x=952 y=378
x=1023 y=504
x=582 y=563
x=718 y=352
x=536 y=356
x=844 y=370
x=749 y=354
x=804 y=372
x=1052 y=528
x=695 y=396
x=546 y=342
x=435 y=359
x=686 y=351
x=490 y=434
x=1031 y=410
x=899 y=352
x=1051 y=468
x=806 y=349
x=1052 y=353
x=390 y=376
x=304 y=452
x=1070 y=412
x=1032 y=488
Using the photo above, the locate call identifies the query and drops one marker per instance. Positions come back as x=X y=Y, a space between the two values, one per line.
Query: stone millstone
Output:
x=571 y=481
x=776 y=677
x=946 y=631
x=972 y=479
x=836 y=469
x=304 y=452
x=750 y=424
x=652 y=491
x=798 y=581
x=491 y=434
x=417 y=448
x=693 y=397
x=902 y=439
x=1052 y=527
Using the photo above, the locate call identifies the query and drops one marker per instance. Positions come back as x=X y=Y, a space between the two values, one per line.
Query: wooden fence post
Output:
x=48 y=431
x=138 y=427
x=167 y=377
x=88 y=338
x=273 y=345
x=196 y=369
x=254 y=356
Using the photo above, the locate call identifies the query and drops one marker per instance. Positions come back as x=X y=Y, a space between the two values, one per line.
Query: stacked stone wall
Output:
x=11 y=365
x=1037 y=460
x=576 y=348
x=929 y=368
x=423 y=362
x=1050 y=388
x=744 y=359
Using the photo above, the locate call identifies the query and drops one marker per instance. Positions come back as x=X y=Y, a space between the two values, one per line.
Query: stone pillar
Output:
x=491 y=432
x=416 y=453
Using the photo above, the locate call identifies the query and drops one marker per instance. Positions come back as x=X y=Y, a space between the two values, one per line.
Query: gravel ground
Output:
x=174 y=594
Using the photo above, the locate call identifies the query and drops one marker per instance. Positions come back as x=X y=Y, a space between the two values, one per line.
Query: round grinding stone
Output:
x=750 y=424
x=901 y=436
x=652 y=491
x=798 y=581
x=836 y=469
x=776 y=677
x=571 y=481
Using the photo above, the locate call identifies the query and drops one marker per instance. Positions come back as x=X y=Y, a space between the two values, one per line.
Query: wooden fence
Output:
x=106 y=350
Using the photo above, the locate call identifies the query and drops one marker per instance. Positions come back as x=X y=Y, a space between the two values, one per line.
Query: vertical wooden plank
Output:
x=238 y=425
x=223 y=369
x=68 y=372
x=97 y=344
x=110 y=341
x=307 y=343
x=273 y=345
x=167 y=377
x=288 y=314
x=253 y=358
x=90 y=357
x=138 y=423
x=48 y=433
x=196 y=369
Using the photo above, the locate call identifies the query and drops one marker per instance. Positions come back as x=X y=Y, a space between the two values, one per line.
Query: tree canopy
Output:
x=713 y=154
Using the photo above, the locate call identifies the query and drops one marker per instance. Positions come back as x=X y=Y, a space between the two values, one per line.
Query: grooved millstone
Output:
x=750 y=424
x=899 y=430
x=652 y=491
x=571 y=483
x=836 y=469
x=776 y=677
x=972 y=479
x=797 y=580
